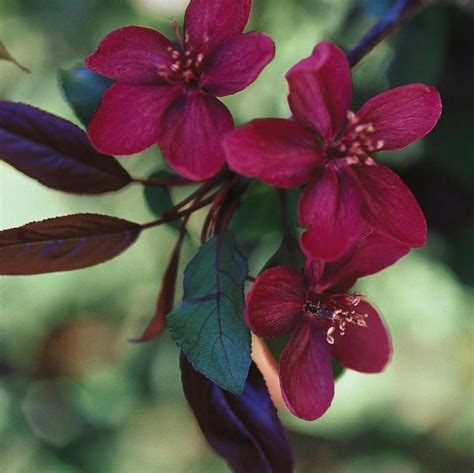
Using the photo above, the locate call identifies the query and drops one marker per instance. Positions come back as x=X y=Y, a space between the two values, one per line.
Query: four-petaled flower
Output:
x=324 y=320
x=166 y=92
x=330 y=148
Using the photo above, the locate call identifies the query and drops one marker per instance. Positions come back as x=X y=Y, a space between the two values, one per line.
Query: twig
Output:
x=400 y=12
x=174 y=214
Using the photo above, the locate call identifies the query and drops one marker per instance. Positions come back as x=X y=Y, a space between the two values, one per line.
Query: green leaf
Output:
x=83 y=90
x=337 y=369
x=159 y=199
x=288 y=254
x=427 y=32
x=6 y=56
x=208 y=325
x=262 y=200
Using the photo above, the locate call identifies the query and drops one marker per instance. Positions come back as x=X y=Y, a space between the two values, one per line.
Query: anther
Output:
x=351 y=116
x=329 y=337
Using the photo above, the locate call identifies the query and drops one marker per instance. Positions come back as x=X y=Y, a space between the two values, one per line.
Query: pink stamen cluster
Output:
x=356 y=144
x=186 y=63
x=338 y=311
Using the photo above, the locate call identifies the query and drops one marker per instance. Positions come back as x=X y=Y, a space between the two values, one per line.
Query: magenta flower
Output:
x=166 y=92
x=324 y=320
x=330 y=148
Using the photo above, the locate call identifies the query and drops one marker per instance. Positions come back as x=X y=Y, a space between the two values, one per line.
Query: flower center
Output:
x=336 y=311
x=186 y=62
x=356 y=144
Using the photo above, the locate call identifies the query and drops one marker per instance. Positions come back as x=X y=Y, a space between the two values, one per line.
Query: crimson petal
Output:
x=330 y=210
x=369 y=255
x=244 y=430
x=321 y=90
x=402 y=115
x=209 y=23
x=365 y=349
x=305 y=372
x=275 y=302
x=390 y=207
x=277 y=151
x=191 y=131
x=236 y=64
x=126 y=121
x=132 y=54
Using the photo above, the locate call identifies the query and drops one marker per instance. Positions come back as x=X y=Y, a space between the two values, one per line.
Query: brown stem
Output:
x=174 y=214
x=203 y=190
x=213 y=215
x=229 y=204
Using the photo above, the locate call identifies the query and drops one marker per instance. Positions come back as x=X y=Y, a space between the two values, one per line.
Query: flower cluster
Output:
x=329 y=148
x=357 y=215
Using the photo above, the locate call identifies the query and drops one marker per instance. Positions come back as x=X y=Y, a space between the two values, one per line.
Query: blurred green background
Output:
x=76 y=396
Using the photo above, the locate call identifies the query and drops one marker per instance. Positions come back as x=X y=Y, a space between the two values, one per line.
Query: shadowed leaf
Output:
x=244 y=430
x=208 y=325
x=262 y=200
x=159 y=199
x=83 y=90
x=55 y=152
x=5 y=55
x=288 y=254
x=64 y=243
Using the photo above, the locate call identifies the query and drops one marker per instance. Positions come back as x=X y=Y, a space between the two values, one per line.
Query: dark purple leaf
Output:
x=64 y=243
x=55 y=152
x=244 y=430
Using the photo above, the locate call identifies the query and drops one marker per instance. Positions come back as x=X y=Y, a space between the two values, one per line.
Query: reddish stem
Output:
x=210 y=222
x=174 y=214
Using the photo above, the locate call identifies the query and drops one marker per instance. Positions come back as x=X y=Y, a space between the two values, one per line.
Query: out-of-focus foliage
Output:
x=83 y=88
x=75 y=396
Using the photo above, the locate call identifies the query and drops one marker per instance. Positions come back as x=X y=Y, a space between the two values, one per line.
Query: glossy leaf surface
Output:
x=55 y=152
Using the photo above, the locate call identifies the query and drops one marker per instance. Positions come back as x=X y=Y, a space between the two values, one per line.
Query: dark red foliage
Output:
x=64 y=243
